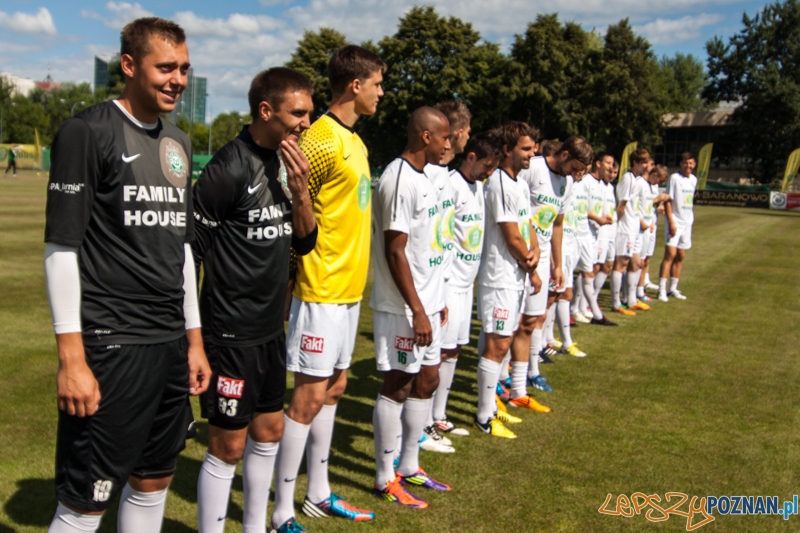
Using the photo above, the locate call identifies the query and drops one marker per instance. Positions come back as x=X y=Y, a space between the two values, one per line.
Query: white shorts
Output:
x=395 y=348
x=606 y=251
x=459 y=318
x=567 y=268
x=649 y=247
x=536 y=304
x=586 y=249
x=629 y=245
x=682 y=238
x=321 y=337
x=499 y=310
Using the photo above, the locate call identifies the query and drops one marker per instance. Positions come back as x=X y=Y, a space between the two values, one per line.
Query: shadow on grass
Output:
x=7 y=529
x=33 y=503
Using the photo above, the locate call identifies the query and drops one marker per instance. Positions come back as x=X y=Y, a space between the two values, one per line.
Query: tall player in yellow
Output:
x=323 y=318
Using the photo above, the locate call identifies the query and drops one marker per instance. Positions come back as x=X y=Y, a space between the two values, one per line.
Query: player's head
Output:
x=687 y=163
x=658 y=175
x=459 y=117
x=572 y=158
x=603 y=164
x=280 y=104
x=429 y=130
x=357 y=73
x=639 y=159
x=519 y=145
x=483 y=153
x=614 y=172
x=155 y=61
x=651 y=164
x=548 y=147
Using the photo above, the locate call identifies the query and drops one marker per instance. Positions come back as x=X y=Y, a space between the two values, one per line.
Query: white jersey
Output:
x=440 y=177
x=626 y=192
x=647 y=193
x=681 y=191
x=506 y=200
x=596 y=206
x=571 y=233
x=468 y=227
x=548 y=192
x=580 y=195
x=405 y=201
x=610 y=200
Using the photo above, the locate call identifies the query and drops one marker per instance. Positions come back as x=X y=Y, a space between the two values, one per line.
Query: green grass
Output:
x=696 y=397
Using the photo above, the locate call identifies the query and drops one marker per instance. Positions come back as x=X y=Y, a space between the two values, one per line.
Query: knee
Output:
x=336 y=391
x=228 y=450
x=304 y=407
x=272 y=431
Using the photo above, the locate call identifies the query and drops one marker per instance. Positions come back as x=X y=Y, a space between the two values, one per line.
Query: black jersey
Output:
x=243 y=220
x=121 y=195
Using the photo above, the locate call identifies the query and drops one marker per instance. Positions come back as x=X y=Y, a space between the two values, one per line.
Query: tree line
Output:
x=558 y=76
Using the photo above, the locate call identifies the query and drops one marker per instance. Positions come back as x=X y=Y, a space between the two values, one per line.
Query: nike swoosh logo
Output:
x=287 y=480
x=424 y=195
x=324 y=460
x=345 y=158
x=388 y=451
x=131 y=158
x=251 y=190
x=442 y=187
x=220 y=519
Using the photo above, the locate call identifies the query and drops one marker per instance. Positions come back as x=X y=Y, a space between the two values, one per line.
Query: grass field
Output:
x=698 y=397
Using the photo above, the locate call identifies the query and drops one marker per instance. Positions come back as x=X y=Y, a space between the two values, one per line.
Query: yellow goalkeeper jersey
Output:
x=341 y=193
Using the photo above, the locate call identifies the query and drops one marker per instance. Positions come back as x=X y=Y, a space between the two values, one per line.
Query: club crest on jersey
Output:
x=501 y=314
x=474 y=239
x=311 y=344
x=404 y=344
x=437 y=244
x=174 y=163
x=545 y=217
x=229 y=387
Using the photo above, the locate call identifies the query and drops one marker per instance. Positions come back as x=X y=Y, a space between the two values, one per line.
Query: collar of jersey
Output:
x=339 y=121
x=412 y=166
x=248 y=140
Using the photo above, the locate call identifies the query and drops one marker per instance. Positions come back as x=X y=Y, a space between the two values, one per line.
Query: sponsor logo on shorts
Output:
x=404 y=343
x=229 y=387
x=312 y=344
x=501 y=314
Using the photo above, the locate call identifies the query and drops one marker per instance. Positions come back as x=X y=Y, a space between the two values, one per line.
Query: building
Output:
x=102 y=75
x=22 y=86
x=192 y=103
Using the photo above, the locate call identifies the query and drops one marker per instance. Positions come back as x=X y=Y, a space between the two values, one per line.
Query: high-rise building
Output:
x=192 y=103
x=101 y=74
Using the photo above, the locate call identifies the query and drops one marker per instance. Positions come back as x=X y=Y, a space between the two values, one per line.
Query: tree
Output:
x=225 y=128
x=311 y=57
x=197 y=132
x=59 y=102
x=683 y=80
x=430 y=59
x=21 y=118
x=758 y=67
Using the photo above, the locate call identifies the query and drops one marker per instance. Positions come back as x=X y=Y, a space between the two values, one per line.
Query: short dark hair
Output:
x=457 y=114
x=685 y=156
x=483 y=145
x=549 y=147
x=350 y=63
x=640 y=155
x=271 y=86
x=578 y=148
x=599 y=156
x=511 y=132
x=661 y=170
x=135 y=37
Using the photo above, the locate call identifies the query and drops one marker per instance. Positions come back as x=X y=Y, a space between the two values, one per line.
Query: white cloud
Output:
x=121 y=14
x=235 y=24
x=671 y=31
x=40 y=23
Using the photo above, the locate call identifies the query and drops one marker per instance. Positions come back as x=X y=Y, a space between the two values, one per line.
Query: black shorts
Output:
x=245 y=381
x=139 y=429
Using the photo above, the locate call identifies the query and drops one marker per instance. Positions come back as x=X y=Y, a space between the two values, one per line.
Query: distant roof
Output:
x=688 y=120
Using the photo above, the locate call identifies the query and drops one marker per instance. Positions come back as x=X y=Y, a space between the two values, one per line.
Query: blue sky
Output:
x=229 y=42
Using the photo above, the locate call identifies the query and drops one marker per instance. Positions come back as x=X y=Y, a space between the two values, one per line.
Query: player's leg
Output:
x=670 y=253
x=529 y=335
x=684 y=243
x=624 y=252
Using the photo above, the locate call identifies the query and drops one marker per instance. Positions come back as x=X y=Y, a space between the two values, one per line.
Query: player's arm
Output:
x=526 y=257
x=668 y=211
x=401 y=274
x=555 y=254
x=304 y=226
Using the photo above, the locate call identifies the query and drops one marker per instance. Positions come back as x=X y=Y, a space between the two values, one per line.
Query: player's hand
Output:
x=78 y=390
x=297 y=167
x=199 y=369
x=671 y=230
x=558 y=278
x=652 y=228
x=444 y=315
x=536 y=282
x=423 y=333
x=609 y=220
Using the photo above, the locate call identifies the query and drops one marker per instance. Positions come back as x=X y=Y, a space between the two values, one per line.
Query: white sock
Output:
x=588 y=291
x=673 y=284
x=577 y=293
x=68 y=521
x=318 y=449
x=662 y=285
x=536 y=347
x=141 y=511
x=562 y=317
x=213 y=490
x=616 y=287
x=504 y=366
x=519 y=371
x=287 y=465
x=633 y=283
x=413 y=418
x=398 y=444
x=599 y=280
x=446 y=373
x=257 y=468
x=647 y=278
x=640 y=292
x=386 y=426
x=488 y=371
x=481 y=342
x=548 y=334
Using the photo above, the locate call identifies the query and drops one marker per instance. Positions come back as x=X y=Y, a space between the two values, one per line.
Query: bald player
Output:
x=408 y=305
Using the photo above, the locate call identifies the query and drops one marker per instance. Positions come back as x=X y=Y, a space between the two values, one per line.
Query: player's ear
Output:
x=426 y=137
x=128 y=65
x=355 y=86
x=265 y=111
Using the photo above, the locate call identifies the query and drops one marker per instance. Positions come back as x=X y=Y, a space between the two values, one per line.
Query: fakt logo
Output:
x=501 y=314
x=229 y=387
x=312 y=344
x=404 y=343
